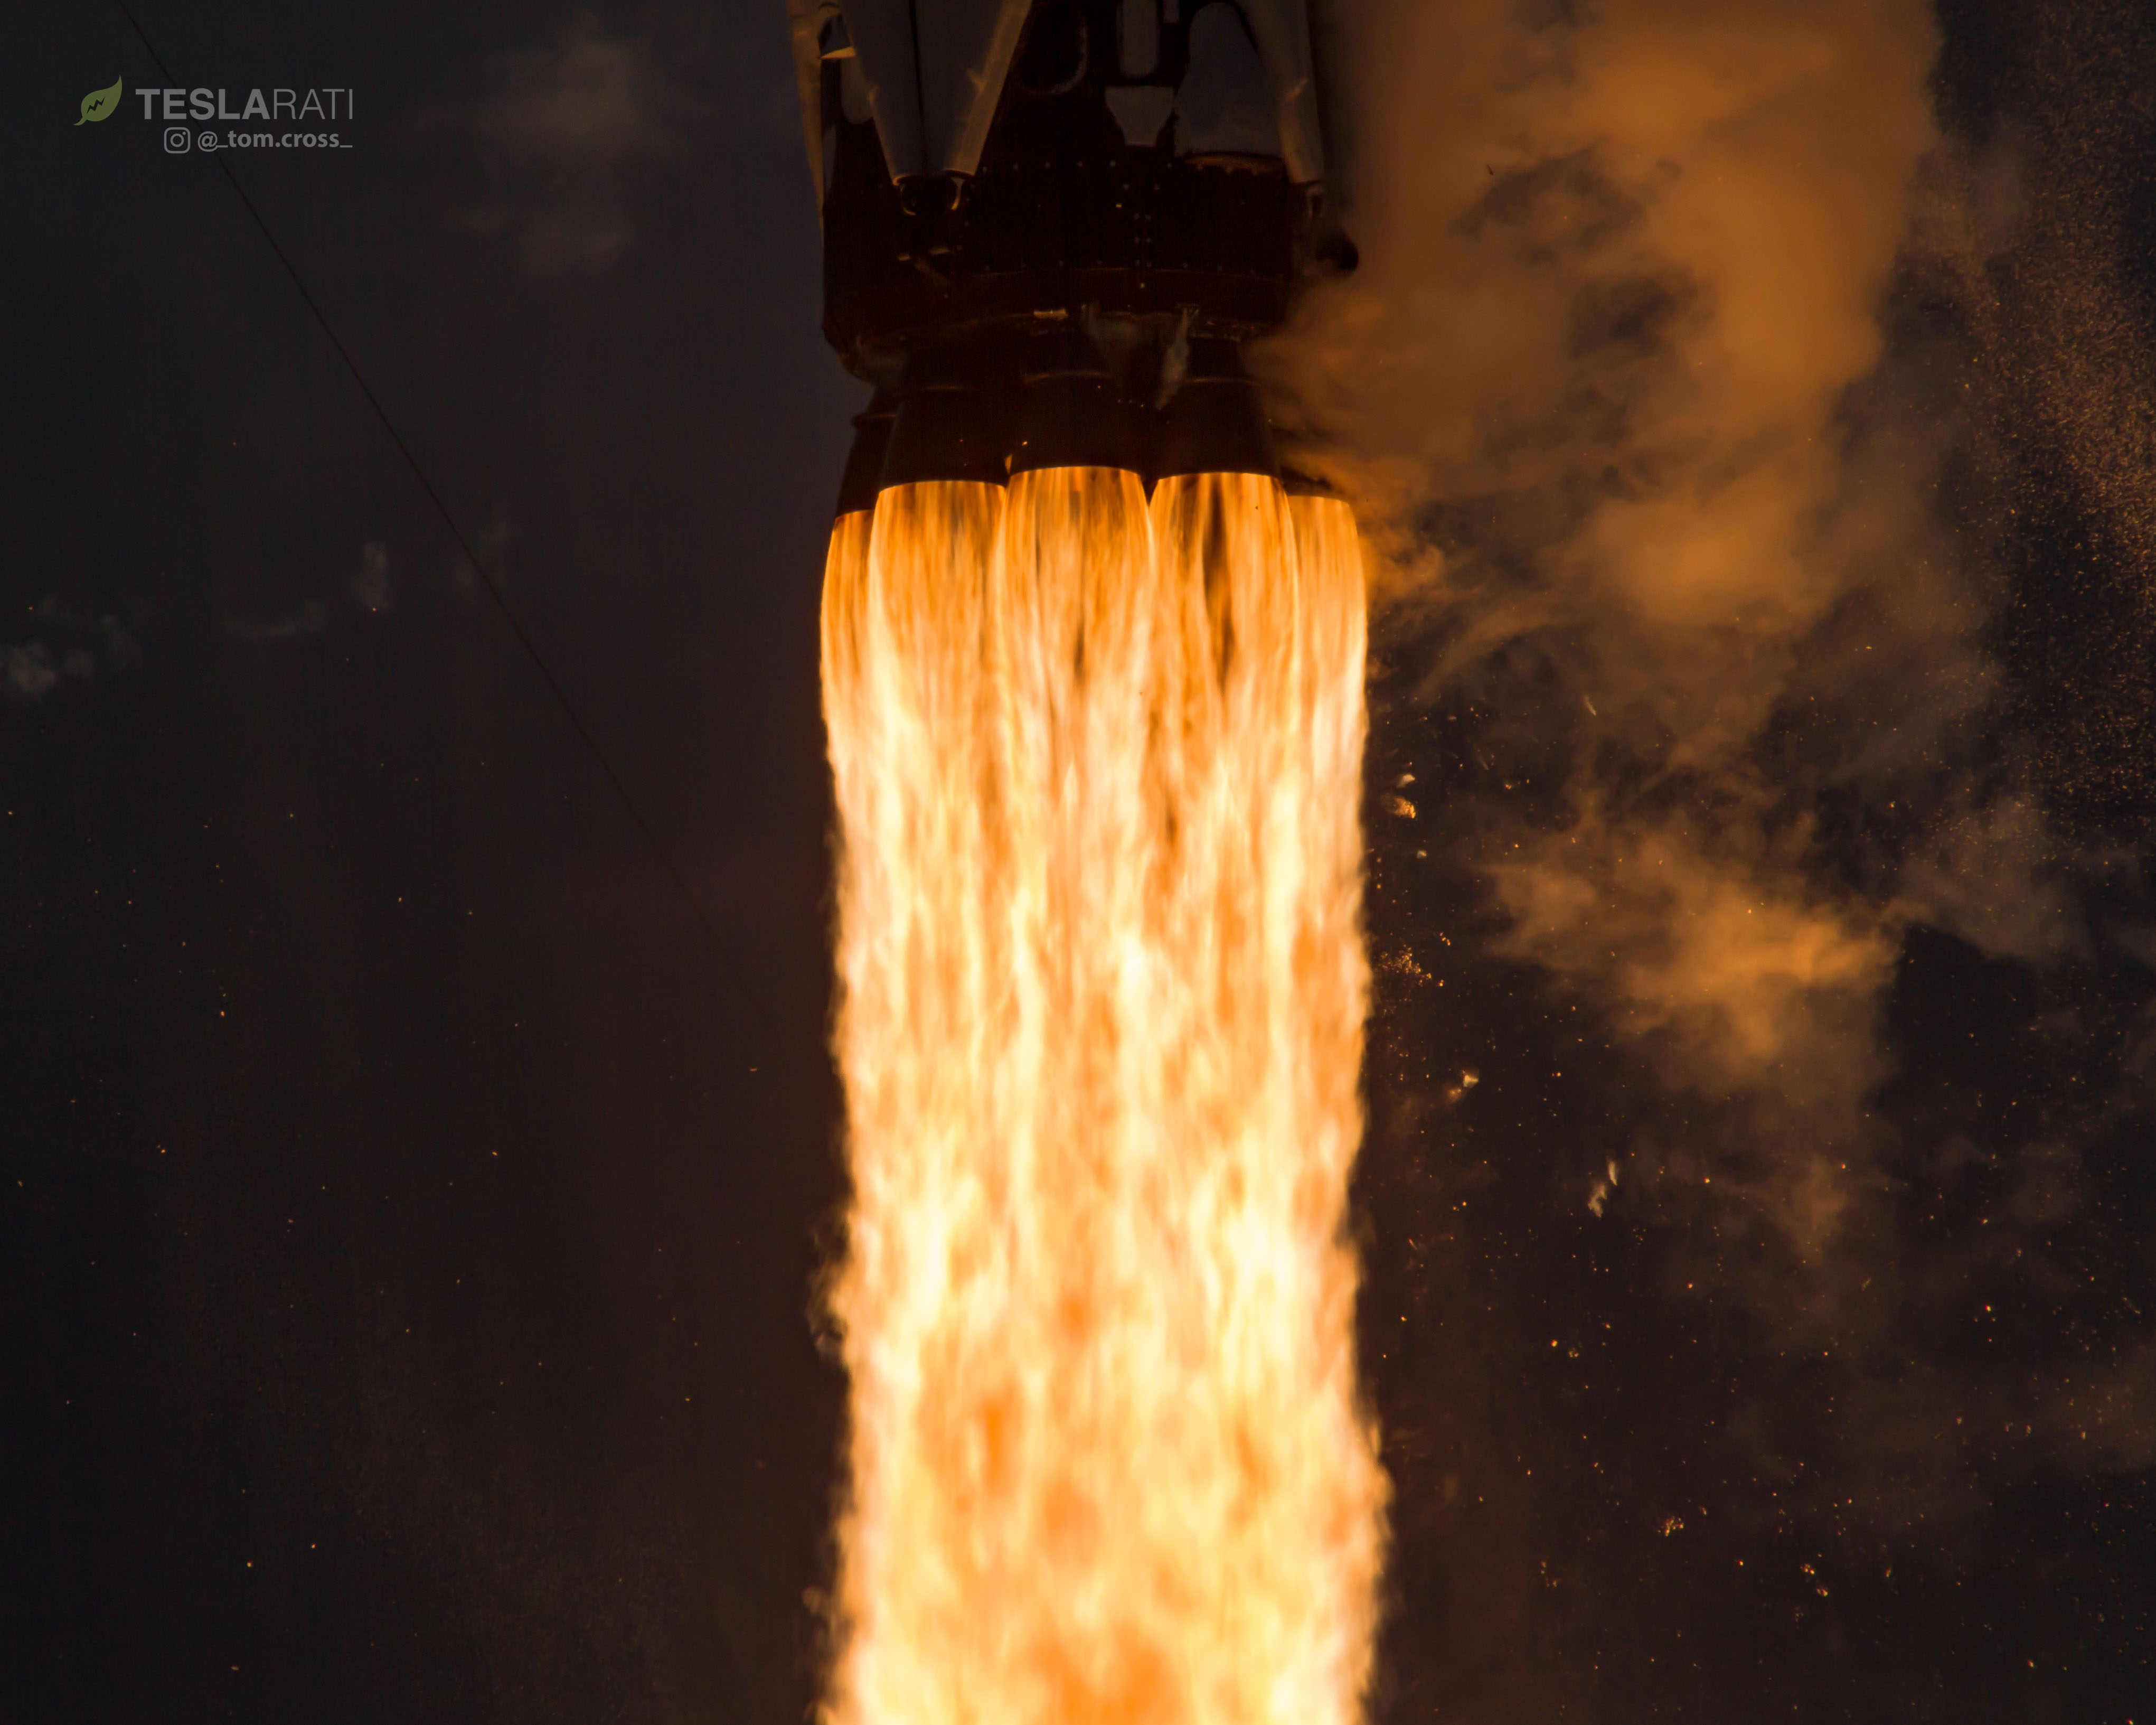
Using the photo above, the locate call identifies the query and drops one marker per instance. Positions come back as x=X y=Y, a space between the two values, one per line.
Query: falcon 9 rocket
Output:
x=1093 y=687
x=1049 y=225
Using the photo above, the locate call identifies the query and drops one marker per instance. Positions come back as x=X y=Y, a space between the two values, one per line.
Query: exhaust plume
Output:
x=1102 y=992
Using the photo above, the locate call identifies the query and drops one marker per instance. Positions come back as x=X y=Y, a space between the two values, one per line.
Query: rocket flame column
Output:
x=1097 y=760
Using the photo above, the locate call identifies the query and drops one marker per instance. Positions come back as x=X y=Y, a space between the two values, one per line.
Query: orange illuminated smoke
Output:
x=1101 y=1001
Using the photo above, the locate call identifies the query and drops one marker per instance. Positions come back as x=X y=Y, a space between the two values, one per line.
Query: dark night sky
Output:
x=409 y=1226
x=409 y=1250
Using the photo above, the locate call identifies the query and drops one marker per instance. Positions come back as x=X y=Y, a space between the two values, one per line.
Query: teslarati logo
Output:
x=297 y=108
x=295 y=105
x=99 y=103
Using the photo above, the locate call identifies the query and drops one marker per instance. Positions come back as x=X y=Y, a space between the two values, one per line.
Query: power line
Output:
x=720 y=955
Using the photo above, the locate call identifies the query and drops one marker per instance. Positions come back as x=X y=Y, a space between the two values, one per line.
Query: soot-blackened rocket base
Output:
x=1049 y=226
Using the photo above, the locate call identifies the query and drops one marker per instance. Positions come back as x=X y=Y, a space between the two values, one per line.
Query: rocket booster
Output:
x=1050 y=225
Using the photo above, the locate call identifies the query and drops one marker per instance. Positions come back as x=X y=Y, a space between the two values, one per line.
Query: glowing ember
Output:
x=1097 y=767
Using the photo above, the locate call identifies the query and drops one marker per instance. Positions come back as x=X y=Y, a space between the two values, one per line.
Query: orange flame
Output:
x=1102 y=991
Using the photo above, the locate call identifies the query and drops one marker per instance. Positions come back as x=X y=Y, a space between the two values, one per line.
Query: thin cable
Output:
x=720 y=955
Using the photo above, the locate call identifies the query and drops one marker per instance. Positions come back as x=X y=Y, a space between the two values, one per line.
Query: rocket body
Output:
x=1049 y=225
x=1097 y=767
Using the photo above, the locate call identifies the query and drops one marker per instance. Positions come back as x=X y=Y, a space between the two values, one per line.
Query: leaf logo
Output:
x=99 y=103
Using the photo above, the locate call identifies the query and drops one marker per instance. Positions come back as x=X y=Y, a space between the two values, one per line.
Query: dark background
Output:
x=407 y=1257
x=411 y=1215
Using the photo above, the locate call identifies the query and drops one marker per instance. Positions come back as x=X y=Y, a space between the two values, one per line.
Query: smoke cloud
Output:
x=1596 y=371
x=70 y=648
x=567 y=124
x=1757 y=449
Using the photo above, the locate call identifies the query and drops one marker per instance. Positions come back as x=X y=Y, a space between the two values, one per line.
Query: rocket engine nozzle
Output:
x=1072 y=412
x=984 y=409
x=953 y=418
x=1034 y=210
x=1214 y=422
x=865 y=462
